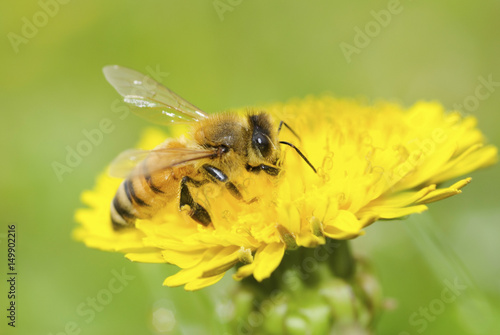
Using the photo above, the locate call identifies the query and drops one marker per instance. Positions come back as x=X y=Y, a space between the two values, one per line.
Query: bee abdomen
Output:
x=122 y=209
x=132 y=197
x=152 y=186
x=120 y=216
x=126 y=205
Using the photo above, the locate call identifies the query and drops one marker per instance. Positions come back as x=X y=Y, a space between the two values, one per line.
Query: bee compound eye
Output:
x=261 y=143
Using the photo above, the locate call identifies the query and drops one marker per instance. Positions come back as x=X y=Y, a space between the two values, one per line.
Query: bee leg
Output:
x=220 y=176
x=197 y=212
x=270 y=170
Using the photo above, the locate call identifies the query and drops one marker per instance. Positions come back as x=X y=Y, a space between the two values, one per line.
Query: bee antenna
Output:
x=282 y=123
x=300 y=153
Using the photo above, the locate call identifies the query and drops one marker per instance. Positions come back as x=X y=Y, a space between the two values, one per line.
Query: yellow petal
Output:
x=401 y=199
x=184 y=258
x=268 y=259
x=244 y=271
x=483 y=157
x=182 y=277
x=345 y=226
x=154 y=257
x=444 y=193
x=203 y=282
x=394 y=213
x=214 y=261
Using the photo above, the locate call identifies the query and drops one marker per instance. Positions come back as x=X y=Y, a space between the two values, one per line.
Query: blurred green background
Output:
x=219 y=55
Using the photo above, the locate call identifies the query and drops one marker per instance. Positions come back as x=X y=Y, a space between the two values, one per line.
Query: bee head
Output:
x=263 y=143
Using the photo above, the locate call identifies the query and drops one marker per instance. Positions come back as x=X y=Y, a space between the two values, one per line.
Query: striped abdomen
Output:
x=141 y=196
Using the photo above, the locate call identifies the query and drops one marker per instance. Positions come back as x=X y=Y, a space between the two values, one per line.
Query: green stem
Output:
x=343 y=263
x=314 y=290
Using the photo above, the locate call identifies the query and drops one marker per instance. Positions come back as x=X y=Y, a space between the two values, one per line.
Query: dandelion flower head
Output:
x=373 y=162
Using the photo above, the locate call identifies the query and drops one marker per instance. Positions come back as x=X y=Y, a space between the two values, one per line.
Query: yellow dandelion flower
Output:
x=373 y=162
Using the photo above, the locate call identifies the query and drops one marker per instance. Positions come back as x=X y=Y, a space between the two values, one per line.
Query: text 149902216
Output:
x=11 y=274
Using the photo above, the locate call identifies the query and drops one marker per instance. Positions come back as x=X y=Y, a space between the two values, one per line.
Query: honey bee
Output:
x=222 y=144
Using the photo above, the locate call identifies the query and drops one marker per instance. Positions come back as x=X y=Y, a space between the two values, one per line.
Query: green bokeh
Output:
x=53 y=88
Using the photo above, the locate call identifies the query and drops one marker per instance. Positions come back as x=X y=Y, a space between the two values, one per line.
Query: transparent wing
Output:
x=149 y=99
x=125 y=165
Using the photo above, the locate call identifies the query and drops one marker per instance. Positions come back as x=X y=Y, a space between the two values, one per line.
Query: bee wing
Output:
x=150 y=99
x=125 y=165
